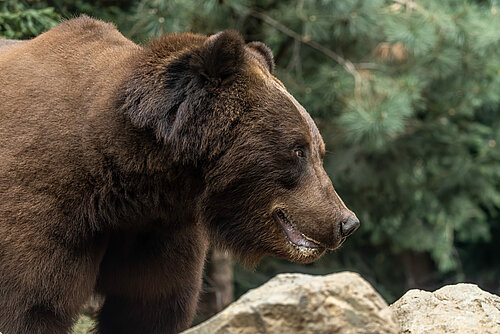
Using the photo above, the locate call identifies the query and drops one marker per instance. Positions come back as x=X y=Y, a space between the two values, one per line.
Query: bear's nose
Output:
x=349 y=226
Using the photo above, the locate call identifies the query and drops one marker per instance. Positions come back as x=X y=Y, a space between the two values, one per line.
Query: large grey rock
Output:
x=461 y=308
x=295 y=303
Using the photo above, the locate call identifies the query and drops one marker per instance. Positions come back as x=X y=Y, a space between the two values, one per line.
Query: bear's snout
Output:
x=349 y=226
x=341 y=226
x=333 y=231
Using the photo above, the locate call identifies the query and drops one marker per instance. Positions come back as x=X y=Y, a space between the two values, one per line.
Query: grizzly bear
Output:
x=120 y=164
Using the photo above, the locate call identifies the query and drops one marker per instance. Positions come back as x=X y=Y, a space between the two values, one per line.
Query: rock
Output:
x=461 y=308
x=295 y=303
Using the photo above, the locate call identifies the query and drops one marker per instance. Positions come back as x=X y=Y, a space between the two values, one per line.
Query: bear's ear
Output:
x=265 y=52
x=221 y=56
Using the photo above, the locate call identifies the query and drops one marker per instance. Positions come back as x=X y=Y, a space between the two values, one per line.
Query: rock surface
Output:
x=295 y=303
x=346 y=303
x=461 y=308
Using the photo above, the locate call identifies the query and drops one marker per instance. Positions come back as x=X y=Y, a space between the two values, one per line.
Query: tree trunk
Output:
x=419 y=270
x=218 y=287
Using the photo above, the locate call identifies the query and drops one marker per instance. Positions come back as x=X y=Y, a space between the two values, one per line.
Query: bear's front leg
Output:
x=151 y=281
x=166 y=314
x=43 y=280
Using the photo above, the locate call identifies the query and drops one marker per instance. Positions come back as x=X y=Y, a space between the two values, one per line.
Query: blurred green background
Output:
x=407 y=97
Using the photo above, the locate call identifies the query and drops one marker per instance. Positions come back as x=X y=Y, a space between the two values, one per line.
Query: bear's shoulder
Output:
x=85 y=25
x=82 y=33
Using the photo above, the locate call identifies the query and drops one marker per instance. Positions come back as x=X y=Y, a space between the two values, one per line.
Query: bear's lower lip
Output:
x=294 y=235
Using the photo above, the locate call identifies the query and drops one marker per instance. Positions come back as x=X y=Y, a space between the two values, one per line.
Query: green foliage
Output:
x=83 y=325
x=407 y=96
x=427 y=144
x=22 y=19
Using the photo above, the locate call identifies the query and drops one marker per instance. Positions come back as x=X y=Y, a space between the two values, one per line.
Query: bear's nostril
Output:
x=349 y=225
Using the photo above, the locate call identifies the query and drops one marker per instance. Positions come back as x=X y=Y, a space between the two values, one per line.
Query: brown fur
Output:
x=120 y=163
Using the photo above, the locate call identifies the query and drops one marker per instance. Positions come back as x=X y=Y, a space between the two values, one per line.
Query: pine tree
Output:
x=20 y=19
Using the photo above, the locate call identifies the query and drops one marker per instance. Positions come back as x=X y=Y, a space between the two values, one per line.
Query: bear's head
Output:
x=216 y=105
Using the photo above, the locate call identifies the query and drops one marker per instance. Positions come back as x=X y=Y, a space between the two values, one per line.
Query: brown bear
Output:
x=120 y=164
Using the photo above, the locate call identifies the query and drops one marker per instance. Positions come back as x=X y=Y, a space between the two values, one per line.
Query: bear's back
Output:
x=5 y=44
x=75 y=47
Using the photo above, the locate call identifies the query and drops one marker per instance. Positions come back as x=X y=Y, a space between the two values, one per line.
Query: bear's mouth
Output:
x=295 y=237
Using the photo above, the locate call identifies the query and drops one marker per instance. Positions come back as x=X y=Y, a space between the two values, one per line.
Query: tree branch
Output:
x=345 y=63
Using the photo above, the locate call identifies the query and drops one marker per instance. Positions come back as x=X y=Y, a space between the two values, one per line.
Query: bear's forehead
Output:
x=313 y=130
x=273 y=83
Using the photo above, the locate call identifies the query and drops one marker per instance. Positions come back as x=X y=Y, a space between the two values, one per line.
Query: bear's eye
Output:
x=299 y=153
